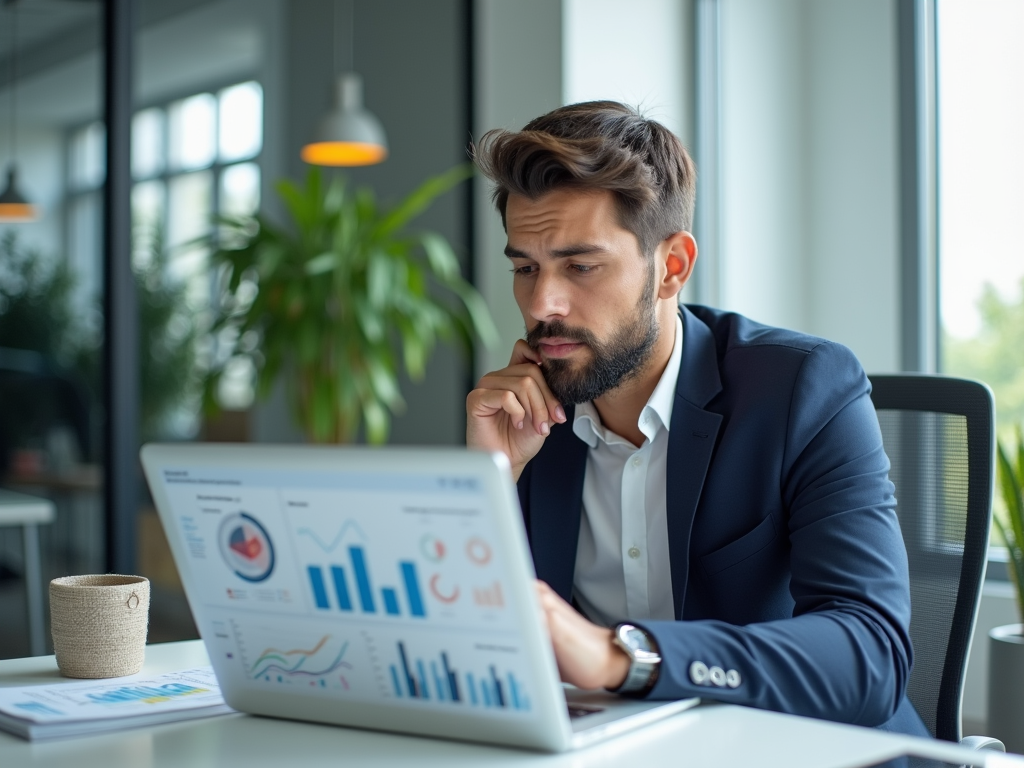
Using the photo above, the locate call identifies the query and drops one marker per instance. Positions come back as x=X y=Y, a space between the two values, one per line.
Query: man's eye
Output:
x=526 y=269
x=583 y=269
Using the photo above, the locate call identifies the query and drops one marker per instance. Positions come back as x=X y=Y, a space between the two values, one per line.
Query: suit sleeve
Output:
x=845 y=654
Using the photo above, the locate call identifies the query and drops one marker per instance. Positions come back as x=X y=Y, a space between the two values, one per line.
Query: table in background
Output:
x=722 y=736
x=29 y=512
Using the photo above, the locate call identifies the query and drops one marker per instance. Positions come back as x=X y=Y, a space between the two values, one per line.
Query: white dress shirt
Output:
x=622 y=561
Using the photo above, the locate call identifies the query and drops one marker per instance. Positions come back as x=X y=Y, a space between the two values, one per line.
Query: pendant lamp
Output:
x=14 y=206
x=349 y=134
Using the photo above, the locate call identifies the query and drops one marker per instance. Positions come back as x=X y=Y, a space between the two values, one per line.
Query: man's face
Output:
x=586 y=293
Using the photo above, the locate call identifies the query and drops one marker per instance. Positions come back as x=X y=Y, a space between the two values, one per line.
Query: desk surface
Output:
x=19 y=509
x=715 y=735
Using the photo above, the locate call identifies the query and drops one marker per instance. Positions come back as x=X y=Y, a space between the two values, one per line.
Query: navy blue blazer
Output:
x=787 y=562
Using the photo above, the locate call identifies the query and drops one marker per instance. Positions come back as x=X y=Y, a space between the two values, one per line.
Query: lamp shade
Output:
x=349 y=134
x=14 y=207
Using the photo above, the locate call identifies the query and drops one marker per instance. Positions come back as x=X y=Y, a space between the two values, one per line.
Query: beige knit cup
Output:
x=99 y=624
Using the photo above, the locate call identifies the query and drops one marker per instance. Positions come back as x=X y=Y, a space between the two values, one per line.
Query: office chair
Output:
x=939 y=435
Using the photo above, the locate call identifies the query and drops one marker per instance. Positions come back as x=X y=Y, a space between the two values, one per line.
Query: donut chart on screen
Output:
x=246 y=547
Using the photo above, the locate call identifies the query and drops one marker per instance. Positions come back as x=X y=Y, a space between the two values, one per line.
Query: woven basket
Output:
x=99 y=624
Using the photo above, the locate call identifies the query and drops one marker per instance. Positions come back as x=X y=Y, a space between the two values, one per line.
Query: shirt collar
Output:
x=657 y=414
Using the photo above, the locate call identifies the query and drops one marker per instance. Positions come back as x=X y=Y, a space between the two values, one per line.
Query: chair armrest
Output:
x=982 y=742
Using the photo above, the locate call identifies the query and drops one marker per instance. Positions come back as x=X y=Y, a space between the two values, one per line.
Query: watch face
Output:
x=634 y=638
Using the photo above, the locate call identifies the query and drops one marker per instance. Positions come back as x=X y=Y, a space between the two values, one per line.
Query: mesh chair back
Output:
x=938 y=434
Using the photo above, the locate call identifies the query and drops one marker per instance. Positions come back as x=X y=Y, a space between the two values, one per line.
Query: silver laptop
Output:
x=379 y=588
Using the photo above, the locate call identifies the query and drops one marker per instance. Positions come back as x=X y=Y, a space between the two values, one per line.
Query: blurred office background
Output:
x=859 y=178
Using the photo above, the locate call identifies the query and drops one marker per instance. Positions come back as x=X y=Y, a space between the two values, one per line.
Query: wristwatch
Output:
x=645 y=660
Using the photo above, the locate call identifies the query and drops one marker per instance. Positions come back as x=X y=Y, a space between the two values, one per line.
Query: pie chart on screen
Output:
x=246 y=547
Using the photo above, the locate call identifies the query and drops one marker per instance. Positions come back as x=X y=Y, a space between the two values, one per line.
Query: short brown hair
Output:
x=597 y=145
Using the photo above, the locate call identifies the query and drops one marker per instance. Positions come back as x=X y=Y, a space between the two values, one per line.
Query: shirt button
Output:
x=638 y=460
x=634 y=552
x=732 y=678
x=699 y=672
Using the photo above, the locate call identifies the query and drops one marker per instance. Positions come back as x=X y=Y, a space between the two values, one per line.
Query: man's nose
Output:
x=550 y=298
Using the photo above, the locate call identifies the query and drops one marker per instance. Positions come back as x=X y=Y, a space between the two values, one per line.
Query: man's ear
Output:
x=676 y=257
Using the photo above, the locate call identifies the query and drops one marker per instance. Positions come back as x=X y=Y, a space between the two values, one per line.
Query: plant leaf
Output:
x=1013 y=533
x=441 y=257
x=325 y=262
x=377 y=421
x=421 y=198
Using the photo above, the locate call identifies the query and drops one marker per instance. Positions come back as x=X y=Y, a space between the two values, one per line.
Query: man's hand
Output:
x=586 y=656
x=512 y=410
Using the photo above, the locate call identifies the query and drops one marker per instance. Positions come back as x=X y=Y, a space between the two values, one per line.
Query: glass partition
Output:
x=51 y=298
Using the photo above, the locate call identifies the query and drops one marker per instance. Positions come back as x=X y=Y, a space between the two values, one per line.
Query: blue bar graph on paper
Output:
x=362 y=579
x=390 y=601
x=412 y=588
x=316 y=579
x=341 y=588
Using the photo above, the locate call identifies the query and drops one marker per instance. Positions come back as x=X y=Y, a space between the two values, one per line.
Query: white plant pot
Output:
x=1006 y=686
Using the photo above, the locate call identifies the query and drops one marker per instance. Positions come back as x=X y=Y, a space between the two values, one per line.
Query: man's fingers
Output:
x=524 y=353
x=487 y=402
x=539 y=414
x=548 y=408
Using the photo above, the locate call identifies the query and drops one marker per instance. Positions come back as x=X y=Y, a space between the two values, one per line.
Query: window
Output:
x=192 y=159
x=981 y=197
x=980 y=67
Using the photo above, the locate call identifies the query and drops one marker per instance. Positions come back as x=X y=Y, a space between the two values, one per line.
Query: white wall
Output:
x=851 y=193
x=635 y=52
x=810 y=230
x=513 y=85
x=762 y=268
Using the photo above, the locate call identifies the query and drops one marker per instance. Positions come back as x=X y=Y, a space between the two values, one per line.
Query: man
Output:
x=707 y=498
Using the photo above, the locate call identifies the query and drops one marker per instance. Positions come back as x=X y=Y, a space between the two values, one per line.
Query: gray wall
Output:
x=412 y=56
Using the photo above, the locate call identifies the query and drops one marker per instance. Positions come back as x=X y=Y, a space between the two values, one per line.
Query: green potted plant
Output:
x=339 y=301
x=1006 y=643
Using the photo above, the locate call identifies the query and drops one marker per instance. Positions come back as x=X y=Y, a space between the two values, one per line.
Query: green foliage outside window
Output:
x=995 y=356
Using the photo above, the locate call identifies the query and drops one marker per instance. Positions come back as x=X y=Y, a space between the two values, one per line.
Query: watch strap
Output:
x=642 y=674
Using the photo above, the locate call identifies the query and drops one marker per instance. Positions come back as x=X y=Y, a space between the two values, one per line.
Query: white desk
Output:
x=29 y=512
x=716 y=735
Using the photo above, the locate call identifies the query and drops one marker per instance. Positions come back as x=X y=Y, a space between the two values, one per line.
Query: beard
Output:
x=613 y=362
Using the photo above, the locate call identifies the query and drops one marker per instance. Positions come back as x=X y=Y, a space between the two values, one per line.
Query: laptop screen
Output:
x=383 y=587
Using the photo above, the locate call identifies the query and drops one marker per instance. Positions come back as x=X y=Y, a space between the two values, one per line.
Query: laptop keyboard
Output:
x=577 y=711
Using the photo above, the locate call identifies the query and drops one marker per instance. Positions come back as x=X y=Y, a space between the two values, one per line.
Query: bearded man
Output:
x=707 y=498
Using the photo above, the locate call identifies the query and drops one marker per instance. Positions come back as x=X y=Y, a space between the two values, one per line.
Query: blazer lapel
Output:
x=556 y=503
x=691 y=442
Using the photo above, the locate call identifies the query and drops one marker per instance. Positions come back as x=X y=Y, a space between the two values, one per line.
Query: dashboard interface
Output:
x=368 y=587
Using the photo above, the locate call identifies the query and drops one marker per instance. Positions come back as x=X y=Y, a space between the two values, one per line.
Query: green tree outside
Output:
x=996 y=357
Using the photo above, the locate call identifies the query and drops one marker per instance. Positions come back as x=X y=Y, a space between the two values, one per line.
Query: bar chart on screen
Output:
x=348 y=587
x=440 y=677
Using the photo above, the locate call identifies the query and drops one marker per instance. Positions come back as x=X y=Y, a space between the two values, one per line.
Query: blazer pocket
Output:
x=737 y=551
